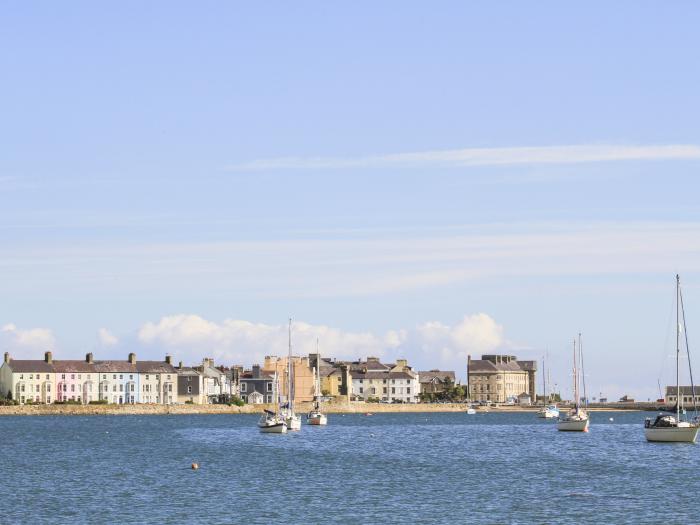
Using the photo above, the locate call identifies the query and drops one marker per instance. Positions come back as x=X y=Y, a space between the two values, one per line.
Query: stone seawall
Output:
x=330 y=408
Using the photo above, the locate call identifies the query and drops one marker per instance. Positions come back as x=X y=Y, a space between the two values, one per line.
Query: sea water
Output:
x=384 y=468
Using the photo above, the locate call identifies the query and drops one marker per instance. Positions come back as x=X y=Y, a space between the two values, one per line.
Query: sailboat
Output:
x=576 y=420
x=272 y=422
x=549 y=411
x=315 y=416
x=293 y=421
x=669 y=428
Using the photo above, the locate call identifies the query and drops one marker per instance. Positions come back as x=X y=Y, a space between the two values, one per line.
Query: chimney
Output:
x=48 y=357
x=180 y=365
x=88 y=358
x=168 y=359
x=256 y=371
x=132 y=358
x=7 y=357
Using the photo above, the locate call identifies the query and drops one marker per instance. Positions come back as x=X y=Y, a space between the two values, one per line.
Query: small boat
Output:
x=272 y=422
x=315 y=416
x=549 y=412
x=576 y=420
x=471 y=410
x=290 y=418
x=669 y=428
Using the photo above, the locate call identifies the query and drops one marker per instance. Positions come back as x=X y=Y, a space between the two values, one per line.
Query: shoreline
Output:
x=302 y=408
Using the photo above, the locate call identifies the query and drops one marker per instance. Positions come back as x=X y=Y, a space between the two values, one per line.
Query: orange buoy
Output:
x=195 y=466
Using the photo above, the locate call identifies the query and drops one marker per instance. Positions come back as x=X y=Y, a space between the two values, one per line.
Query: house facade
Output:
x=686 y=396
x=436 y=381
x=189 y=386
x=28 y=381
x=256 y=386
x=373 y=380
x=302 y=373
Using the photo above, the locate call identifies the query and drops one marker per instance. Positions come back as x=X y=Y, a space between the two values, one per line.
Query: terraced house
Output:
x=396 y=383
x=113 y=381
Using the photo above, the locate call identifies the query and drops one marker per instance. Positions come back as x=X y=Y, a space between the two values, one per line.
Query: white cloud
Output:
x=25 y=344
x=429 y=345
x=566 y=154
x=106 y=337
x=191 y=337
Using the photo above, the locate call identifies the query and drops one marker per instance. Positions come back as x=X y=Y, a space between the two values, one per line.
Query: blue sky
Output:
x=400 y=179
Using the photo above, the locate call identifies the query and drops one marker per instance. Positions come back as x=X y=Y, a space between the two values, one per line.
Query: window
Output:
x=48 y=388
x=72 y=376
x=269 y=387
x=114 y=376
x=131 y=376
x=360 y=390
x=244 y=387
x=121 y=376
x=104 y=376
x=121 y=388
x=393 y=381
x=65 y=387
x=384 y=381
x=47 y=377
x=132 y=387
x=168 y=376
x=38 y=389
x=393 y=390
x=360 y=381
x=384 y=390
x=48 y=399
x=408 y=390
x=146 y=376
x=21 y=376
x=189 y=389
x=114 y=388
x=373 y=390
x=189 y=379
x=72 y=388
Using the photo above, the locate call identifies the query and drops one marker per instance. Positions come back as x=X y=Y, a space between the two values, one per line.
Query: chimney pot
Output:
x=7 y=357
x=132 y=358
x=88 y=357
x=180 y=365
x=48 y=358
x=168 y=359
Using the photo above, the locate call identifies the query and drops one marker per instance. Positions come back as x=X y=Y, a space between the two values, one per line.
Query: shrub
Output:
x=99 y=402
x=237 y=401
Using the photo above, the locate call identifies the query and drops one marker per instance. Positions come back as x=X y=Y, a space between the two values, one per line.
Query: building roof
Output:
x=69 y=365
x=112 y=366
x=685 y=390
x=30 y=365
x=155 y=367
x=529 y=366
x=483 y=365
x=187 y=371
x=381 y=375
x=436 y=375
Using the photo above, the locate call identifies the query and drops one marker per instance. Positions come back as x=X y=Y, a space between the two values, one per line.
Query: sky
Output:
x=401 y=179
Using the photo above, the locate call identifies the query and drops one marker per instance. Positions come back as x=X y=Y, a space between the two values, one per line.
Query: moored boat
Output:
x=576 y=420
x=272 y=422
x=669 y=428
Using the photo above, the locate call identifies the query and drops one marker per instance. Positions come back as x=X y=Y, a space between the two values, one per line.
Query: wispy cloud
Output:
x=567 y=154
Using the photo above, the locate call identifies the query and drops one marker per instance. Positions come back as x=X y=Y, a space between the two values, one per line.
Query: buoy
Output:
x=195 y=466
x=611 y=419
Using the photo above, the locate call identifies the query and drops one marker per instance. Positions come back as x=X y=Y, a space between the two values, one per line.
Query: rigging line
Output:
x=687 y=350
x=664 y=355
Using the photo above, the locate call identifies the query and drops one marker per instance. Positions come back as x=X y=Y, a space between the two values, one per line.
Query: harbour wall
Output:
x=330 y=408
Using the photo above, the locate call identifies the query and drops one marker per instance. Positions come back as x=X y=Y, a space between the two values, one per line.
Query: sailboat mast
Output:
x=678 y=349
x=544 y=385
x=575 y=379
x=290 y=396
x=583 y=369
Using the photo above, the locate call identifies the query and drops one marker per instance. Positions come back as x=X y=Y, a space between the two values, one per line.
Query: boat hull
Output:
x=672 y=434
x=317 y=420
x=569 y=425
x=293 y=423
x=275 y=428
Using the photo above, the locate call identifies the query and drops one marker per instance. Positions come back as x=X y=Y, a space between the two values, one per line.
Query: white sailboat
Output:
x=315 y=416
x=669 y=428
x=291 y=419
x=549 y=411
x=272 y=422
x=576 y=420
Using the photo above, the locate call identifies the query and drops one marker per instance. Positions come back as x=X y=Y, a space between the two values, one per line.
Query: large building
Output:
x=500 y=378
x=686 y=397
x=302 y=372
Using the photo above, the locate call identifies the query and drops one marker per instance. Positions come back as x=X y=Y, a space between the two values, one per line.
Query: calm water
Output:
x=391 y=468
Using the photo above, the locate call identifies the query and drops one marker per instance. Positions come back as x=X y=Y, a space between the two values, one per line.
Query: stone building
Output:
x=499 y=378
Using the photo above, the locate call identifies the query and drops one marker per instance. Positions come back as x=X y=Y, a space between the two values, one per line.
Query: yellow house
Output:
x=303 y=376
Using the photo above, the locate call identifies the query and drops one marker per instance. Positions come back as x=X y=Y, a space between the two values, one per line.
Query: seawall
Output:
x=330 y=408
